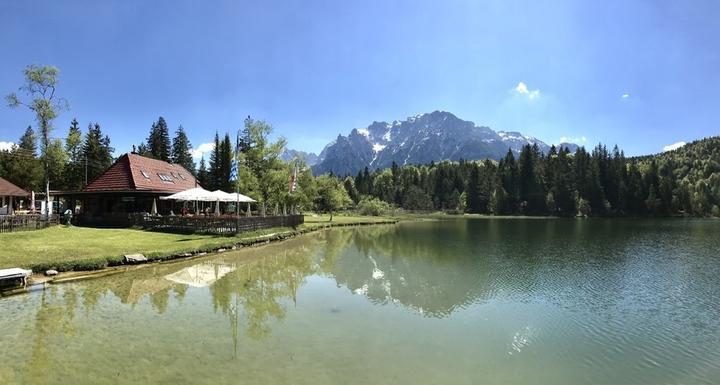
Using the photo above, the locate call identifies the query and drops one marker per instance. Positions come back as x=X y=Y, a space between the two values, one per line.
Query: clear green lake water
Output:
x=477 y=301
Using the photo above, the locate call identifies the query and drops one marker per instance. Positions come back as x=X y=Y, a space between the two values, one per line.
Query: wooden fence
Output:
x=215 y=225
x=12 y=223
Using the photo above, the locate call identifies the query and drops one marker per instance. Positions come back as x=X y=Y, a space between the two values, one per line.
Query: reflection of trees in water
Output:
x=250 y=288
x=255 y=289
x=53 y=319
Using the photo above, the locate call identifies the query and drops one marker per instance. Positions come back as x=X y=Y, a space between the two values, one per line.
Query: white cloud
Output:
x=673 y=146
x=625 y=96
x=522 y=89
x=6 y=146
x=201 y=150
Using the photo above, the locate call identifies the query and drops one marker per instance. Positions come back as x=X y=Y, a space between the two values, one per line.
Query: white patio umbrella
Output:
x=193 y=194
x=231 y=197
x=243 y=198
x=221 y=196
x=153 y=210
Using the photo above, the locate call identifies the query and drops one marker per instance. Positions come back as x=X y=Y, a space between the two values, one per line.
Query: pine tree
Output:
x=596 y=179
x=142 y=149
x=203 y=178
x=28 y=142
x=97 y=150
x=158 y=142
x=351 y=189
x=20 y=164
x=488 y=176
x=509 y=177
x=636 y=195
x=181 y=150
x=563 y=186
x=531 y=191
x=225 y=164
x=214 y=173
x=75 y=170
x=473 y=190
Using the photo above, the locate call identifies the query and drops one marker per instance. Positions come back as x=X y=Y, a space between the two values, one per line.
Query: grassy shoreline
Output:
x=66 y=249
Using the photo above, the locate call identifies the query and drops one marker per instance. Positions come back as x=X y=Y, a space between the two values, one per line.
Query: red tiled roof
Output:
x=9 y=189
x=132 y=172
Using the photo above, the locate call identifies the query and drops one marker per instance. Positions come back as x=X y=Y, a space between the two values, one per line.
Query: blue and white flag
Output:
x=234 y=170
x=234 y=165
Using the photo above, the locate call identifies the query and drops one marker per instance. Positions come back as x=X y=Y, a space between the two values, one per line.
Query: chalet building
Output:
x=132 y=184
x=9 y=197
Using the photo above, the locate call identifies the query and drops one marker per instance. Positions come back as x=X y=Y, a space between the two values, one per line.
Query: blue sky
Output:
x=318 y=68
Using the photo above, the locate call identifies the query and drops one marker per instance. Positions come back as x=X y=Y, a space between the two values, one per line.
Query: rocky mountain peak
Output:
x=418 y=139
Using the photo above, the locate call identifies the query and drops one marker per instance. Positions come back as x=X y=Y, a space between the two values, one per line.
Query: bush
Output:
x=78 y=265
x=372 y=206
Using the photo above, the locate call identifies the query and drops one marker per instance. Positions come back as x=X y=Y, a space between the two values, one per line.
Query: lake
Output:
x=467 y=301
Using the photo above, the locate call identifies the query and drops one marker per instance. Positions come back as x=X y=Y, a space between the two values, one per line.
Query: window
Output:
x=181 y=176
x=145 y=174
x=165 y=178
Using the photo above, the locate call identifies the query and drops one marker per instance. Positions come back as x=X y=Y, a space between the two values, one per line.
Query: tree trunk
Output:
x=45 y=129
x=48 y=208
x=331 y=215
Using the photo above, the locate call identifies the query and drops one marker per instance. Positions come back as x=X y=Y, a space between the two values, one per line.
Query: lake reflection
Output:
x=461 y=301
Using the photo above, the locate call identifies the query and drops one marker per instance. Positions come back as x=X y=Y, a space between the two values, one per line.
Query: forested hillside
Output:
x=601 y=182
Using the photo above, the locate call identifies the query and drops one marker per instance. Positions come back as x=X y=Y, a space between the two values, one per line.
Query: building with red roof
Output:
x=8 y=194
x=132 y=184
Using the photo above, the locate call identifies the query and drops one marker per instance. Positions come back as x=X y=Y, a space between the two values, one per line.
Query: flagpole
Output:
x=237 y=180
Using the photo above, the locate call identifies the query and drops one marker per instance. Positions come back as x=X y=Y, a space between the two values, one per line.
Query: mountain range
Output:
x=419 y=139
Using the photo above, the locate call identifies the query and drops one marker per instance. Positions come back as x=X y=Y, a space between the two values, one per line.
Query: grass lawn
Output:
x=343 y=219
x=77 y=248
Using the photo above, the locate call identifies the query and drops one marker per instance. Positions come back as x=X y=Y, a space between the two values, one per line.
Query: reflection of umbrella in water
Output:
x=153 y=210
x=200 y=275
